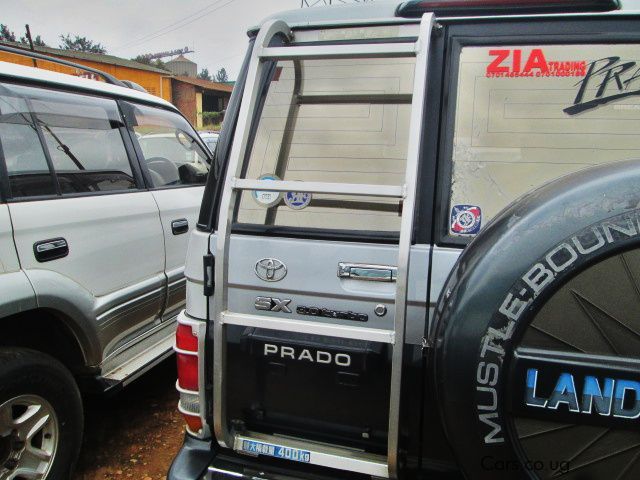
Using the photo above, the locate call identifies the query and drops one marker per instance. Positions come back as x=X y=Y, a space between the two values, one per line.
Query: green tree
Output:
x=80 y=44
x=145 y=60
x=37 y=42
x=6 y=34
x=221 y=76
x=204 y=74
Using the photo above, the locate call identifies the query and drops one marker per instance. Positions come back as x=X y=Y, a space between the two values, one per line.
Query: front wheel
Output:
x=41 y=416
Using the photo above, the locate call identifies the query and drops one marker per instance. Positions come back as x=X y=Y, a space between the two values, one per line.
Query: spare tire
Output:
x=537 y=335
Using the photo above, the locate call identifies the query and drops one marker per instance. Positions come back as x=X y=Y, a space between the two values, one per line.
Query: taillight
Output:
x=187 y=385
x=185 y=338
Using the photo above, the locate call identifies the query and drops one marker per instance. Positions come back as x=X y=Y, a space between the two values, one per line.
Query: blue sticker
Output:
x=466 y=219
x=297 y=200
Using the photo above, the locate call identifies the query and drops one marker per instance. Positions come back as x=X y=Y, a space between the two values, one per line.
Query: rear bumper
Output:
x=192 y=460
x=200 y=460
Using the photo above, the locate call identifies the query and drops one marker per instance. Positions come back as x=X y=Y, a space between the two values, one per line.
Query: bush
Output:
x=212 y=118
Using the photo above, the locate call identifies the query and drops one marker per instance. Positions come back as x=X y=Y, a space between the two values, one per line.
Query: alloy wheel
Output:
x=29 y=435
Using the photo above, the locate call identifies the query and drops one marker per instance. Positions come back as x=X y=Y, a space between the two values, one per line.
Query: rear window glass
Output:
x=343 y=121
x=529 y=114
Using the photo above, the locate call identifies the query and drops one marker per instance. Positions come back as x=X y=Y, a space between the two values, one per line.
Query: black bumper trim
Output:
x=192 y=460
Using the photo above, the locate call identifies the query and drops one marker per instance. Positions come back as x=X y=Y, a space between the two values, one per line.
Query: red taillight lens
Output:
x=187 y=371
x=187 y=357
x=187 y=360
x=194 y=423
x=185 y=339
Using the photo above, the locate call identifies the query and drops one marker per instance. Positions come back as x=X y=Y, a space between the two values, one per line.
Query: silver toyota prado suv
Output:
x=99 y=185
x=420 y=254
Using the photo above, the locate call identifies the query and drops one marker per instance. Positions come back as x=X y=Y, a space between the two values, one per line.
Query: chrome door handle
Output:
x=180 y=226
x=52 y=249
x=369 y=273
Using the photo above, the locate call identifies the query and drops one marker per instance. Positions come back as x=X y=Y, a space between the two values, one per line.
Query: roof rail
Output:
x=416 y=8
x=39 y=56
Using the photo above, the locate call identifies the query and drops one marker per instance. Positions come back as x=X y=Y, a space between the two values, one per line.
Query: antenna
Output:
x=314 y=3
x=168 y=53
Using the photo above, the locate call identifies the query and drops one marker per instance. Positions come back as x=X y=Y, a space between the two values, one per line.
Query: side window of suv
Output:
x=28 y=171
x=81 y=141
x=172 y=154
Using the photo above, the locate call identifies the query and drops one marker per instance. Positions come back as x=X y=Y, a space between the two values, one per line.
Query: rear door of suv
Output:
x=306 y=331
x=87 y=233
x=175 y=165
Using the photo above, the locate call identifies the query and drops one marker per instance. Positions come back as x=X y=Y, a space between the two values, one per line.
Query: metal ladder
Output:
x=320 y=454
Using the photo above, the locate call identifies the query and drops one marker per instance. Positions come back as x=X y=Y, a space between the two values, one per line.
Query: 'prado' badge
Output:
x=297 y=200
x=265 y=198
x=465 y=219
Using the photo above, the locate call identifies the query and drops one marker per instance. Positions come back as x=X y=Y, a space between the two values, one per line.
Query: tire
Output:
x=40 y=411
x=546 y=299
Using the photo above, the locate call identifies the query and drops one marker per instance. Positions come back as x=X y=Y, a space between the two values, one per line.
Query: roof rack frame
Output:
x=39 y=56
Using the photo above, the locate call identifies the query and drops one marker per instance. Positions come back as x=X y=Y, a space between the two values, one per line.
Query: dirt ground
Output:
x=134 y=434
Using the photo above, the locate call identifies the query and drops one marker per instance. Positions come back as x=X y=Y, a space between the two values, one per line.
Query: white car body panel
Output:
x=8 y=255
x=174 y=204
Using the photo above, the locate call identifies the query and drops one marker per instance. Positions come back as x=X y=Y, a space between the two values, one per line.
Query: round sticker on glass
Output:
x=265 y=198
x=297 y=200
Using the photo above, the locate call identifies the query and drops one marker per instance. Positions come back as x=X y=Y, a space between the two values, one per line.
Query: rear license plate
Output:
x=271 y=450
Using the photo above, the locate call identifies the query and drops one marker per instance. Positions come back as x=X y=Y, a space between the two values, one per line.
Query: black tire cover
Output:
x=485 y=306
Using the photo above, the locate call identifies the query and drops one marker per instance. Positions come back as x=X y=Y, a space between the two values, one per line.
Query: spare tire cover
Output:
x=537 y=335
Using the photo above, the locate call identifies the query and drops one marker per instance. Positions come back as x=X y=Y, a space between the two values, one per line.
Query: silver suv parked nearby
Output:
x=93 y=234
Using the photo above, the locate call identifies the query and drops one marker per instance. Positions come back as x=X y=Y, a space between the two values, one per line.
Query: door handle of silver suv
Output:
x=47 y=250
x=369 y=273
x=180 y=226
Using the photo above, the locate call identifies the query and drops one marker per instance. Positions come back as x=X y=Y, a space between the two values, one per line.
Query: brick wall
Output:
x=184 y=97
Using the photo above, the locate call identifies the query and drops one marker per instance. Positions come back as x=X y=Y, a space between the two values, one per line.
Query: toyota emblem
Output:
x=270 y=269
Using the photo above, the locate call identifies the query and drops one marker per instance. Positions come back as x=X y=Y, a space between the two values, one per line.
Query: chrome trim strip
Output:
x=146 y=368
x=406 y=227
x=315 y=328
x=110 y=302
x=129 y=306
x=352 y=189
x=184 y=352
x=178 y=283
x=250 y=99
x=184 y=390
x=323 y=455
x=134 y=341
x=354 y=50
x=212 y=470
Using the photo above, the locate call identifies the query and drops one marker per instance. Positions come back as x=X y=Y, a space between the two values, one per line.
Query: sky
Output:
x=215 y=29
